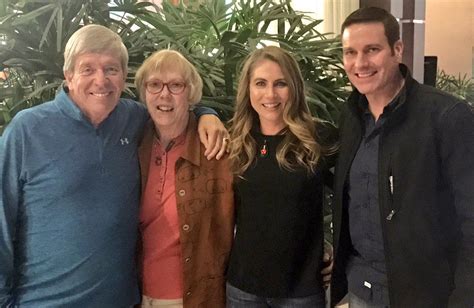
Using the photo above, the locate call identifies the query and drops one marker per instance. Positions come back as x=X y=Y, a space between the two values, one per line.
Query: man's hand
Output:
x=213 y=135
x=328 y=259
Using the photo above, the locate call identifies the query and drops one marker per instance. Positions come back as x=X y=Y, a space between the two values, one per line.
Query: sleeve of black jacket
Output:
x=456 y=131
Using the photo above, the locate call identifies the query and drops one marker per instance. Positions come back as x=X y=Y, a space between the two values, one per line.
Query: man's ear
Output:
x=398 y=50
x=68 y=77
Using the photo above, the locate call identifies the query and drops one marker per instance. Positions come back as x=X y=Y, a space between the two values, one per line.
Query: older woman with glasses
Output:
x=186 y=216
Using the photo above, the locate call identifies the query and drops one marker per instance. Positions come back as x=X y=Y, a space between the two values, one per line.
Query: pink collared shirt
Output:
x=161 y=253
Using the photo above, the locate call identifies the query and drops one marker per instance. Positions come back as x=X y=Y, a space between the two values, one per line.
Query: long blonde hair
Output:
x=299 y=147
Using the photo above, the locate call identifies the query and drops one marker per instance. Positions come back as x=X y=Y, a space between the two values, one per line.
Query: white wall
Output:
x=449 y=34
x=332 y=12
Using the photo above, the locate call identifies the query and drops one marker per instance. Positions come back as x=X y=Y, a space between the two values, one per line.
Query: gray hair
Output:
x=94 y=39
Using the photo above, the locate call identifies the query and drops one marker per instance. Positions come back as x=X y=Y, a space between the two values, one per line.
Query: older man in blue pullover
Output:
x=70 y=185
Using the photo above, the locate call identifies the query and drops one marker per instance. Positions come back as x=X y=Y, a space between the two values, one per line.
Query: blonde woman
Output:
x=277 y=155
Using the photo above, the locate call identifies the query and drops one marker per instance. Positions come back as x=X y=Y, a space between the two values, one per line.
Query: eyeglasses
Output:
x=156 y=86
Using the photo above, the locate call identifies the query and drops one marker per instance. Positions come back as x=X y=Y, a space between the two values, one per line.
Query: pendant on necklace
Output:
x=263 y=150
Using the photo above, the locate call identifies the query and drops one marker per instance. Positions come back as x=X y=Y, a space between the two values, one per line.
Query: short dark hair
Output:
x=374 y=15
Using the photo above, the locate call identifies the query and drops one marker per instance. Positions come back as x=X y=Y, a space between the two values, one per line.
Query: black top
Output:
x=279 y=237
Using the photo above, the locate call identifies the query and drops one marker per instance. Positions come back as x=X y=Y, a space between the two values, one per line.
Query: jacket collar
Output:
x=66 y=105
x=192 y=144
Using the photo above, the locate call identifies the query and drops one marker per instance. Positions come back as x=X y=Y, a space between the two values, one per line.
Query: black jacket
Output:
x=427 y=147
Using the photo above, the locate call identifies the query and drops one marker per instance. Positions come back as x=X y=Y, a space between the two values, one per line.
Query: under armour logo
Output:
x=124 y=141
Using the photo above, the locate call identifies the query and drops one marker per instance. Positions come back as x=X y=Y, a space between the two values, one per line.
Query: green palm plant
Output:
x=213 y=35
x=460 y=86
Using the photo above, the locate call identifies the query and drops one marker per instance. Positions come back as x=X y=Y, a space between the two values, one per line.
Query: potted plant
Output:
x=459 y=86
